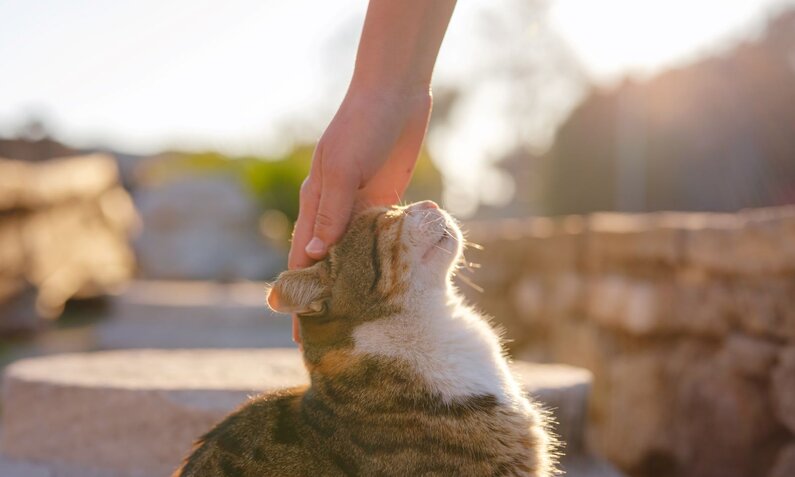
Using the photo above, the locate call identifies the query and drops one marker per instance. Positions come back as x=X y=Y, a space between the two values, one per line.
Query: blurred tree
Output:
x=273 y=182
x=716 y=135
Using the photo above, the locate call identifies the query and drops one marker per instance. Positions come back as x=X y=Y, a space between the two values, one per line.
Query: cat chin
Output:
x=445 y=249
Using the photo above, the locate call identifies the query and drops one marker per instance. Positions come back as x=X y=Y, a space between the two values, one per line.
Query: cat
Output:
x=405 y=379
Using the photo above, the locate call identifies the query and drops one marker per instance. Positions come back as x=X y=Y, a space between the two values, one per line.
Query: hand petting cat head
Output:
x=389 y=259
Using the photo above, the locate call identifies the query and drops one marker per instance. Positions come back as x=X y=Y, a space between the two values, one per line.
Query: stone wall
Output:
x=64 y=232
x=686 y=320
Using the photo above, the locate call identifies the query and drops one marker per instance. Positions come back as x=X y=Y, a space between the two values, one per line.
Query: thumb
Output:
x=337 y=195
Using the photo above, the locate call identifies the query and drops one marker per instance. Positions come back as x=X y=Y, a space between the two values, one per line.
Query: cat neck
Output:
x=447 y=344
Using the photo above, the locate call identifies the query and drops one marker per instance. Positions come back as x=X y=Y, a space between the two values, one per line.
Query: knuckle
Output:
x=307 y=190
x=324 y=221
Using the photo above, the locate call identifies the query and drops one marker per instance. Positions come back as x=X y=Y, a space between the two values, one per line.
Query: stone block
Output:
x=528 y=296
x=632 y=240
x=749 y=356
x=136 y=413
x=724 y=424
x=35 y=185
x=638 y=307
x=635 y=419
x=64 y=230
x=783 y=388
x=784 y=465
x=701 y=306
x=587 y=466
x=545 y=298
x=765 y=306
x=753 y=242
x=538 y=244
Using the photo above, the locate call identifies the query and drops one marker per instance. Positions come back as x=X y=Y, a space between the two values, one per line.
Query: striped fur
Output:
x=404 y=379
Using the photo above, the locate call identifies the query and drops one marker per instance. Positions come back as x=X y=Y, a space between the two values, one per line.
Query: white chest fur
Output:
x=449 y=345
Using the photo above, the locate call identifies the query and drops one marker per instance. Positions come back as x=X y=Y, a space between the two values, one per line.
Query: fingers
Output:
x=296 y=332
x=302 y=233
x=338 y=193
x=304 y=225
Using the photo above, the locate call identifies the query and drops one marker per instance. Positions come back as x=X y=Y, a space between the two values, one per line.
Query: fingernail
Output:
x=315 y=247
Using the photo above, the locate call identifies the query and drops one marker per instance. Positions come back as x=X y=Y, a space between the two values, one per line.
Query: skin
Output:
x=368 y=152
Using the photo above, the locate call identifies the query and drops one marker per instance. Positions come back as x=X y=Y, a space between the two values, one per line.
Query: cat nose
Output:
x=426 y=204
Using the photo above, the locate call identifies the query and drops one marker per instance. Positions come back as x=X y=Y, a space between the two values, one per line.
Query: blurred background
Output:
x=152 y=154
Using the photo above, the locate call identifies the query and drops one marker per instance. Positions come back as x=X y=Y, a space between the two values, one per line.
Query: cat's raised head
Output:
x=388 y=259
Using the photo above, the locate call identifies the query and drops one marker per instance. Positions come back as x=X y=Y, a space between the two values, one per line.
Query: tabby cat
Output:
x=405 y=380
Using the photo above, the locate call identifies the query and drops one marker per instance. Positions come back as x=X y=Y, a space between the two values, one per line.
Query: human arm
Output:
x=368 y=152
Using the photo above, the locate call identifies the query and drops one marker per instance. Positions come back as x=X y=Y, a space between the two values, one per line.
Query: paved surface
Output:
x=170 y=315
x=136 y=412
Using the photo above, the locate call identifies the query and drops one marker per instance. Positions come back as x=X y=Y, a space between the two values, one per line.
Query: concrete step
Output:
x=577 y=466
x=198 y=314
x=584 y=465
x=136 y=412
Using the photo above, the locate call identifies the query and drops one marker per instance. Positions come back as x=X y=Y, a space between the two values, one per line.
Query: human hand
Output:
x=365 y=157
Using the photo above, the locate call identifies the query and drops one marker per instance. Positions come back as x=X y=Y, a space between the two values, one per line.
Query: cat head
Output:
x=387 y=260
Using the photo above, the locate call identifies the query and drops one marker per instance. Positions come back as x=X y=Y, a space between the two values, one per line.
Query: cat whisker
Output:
x=474 y=245
x=469 y=282
x=443 y=249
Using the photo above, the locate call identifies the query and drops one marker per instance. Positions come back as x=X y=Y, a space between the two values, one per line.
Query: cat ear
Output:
x=299 y=291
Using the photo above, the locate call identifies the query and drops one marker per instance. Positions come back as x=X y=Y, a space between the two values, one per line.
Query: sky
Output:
x=243 y=75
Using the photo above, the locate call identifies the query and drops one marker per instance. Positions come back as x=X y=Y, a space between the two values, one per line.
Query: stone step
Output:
x=136 y=412
x=197 y=314
x=583 y=465
x=576 y=466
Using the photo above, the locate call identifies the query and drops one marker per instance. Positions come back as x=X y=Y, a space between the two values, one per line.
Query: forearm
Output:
x=399 y=44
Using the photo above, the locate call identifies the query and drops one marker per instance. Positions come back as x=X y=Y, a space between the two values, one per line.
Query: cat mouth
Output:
x=445 y=244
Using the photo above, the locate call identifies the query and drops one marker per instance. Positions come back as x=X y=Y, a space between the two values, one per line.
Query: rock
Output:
x=752 y=242
x=784 y=465
x=539 y=244
x=26 y=185
x=14 y=468
x=203 y=228
x=766 y=306
x=749 y=356
x=783 y=388
x=634 y=306
x=17 y=309
x=529 y=299
x=700 y=305
x=725 y=426
x=636 y=417
x=587 y=466
x=632 y=240
x=129 y=413
x=64 y=231
x=680 y=316
x=537 y=298
x=564 y=391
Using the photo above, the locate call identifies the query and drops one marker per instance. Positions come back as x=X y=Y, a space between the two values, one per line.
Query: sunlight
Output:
x=613 y=37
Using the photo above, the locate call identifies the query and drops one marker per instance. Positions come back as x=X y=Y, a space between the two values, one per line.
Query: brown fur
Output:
x=364 y=415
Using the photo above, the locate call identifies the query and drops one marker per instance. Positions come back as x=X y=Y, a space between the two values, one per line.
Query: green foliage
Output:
x=274 y=183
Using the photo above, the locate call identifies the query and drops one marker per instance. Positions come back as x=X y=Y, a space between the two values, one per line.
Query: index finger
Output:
x=304 y=227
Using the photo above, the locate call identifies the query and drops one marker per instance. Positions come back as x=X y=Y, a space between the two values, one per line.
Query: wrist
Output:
x=395 y=94
x=374 y=84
